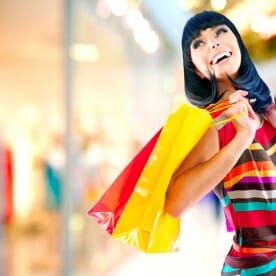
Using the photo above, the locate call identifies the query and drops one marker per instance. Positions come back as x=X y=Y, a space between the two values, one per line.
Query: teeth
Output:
x=219 y=56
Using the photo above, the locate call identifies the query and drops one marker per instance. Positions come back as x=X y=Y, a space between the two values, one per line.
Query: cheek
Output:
x=237 y=59
x=236 y=51
x=198 y=61
x=193 y=57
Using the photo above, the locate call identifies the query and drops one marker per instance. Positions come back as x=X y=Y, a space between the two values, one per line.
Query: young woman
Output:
x=238 y=159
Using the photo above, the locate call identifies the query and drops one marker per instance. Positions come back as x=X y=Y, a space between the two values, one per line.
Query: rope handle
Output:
x=222 y=119
x=220 y=123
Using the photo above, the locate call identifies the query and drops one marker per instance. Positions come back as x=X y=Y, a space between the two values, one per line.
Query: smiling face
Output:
x=216 y=51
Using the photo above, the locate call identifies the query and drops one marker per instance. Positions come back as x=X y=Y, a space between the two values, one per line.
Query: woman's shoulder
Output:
x=207 y=146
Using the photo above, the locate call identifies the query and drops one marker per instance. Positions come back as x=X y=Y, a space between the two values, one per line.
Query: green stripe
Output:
x=254 y=206
x=225 y=201
x=229 y=269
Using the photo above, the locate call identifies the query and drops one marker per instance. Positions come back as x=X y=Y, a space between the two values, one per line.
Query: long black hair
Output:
x=202 y=92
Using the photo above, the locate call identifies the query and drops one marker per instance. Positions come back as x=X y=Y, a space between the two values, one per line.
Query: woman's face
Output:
x=216 y=51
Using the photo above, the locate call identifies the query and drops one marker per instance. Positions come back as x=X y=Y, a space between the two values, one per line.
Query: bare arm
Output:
x=207 y=165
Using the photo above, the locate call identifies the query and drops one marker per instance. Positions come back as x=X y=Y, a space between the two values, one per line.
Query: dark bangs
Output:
x=202 y=92
x=200 y=22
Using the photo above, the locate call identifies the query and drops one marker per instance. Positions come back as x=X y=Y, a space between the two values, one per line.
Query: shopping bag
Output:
x=143 y=222
x=109 y=207
x=132 y=208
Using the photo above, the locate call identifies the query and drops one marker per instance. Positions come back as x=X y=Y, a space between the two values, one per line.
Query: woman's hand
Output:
x=246 y=120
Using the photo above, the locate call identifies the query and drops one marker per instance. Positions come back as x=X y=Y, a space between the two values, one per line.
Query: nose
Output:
x=215 y=45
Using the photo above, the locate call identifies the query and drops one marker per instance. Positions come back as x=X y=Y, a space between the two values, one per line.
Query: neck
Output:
x=225 y=90
x=225 y=94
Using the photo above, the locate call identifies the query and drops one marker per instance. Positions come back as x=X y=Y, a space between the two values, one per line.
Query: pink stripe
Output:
x=258 y=179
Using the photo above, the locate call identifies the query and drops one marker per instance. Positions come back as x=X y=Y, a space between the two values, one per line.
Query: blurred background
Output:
x=83 y=85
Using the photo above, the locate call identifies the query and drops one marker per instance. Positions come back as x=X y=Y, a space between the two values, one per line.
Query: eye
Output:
x=220 y=30
x=197 y=43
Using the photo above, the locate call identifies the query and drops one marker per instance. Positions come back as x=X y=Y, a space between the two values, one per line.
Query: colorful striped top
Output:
x=248 y=191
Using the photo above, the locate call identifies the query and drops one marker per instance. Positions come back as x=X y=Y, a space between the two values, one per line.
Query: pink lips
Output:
x=219 y=57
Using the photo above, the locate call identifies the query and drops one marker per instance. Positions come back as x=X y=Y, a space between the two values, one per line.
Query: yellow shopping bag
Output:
x=143 y=222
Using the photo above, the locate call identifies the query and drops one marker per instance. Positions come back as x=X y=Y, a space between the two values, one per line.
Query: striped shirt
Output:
x=248 y=196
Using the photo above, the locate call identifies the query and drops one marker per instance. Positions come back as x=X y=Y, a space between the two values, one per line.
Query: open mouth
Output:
x=220 y=57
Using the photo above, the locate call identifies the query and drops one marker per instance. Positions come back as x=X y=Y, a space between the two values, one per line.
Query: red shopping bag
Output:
x=109 y=207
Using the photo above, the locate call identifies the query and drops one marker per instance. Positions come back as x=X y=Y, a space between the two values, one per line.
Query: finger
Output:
x=239 y=95
x=242 y=92
x=236 y=98
x=251 y=112
x=247 y=109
